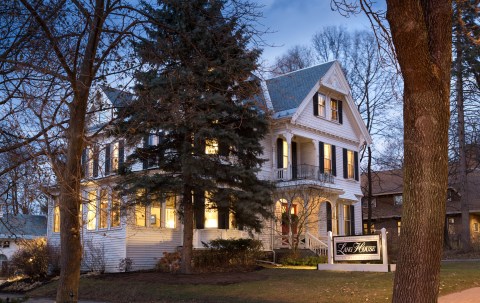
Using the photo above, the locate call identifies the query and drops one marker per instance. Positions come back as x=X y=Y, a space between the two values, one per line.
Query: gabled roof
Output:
x=23 y=226
x=289 y=90
x=118 y=98
x=387 y=182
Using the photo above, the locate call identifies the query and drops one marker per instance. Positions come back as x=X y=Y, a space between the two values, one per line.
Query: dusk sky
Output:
x=295 y=22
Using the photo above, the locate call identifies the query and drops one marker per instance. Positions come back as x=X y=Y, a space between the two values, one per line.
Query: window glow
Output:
x=285 y=154
x=327 y=160
x=115 y=212
x=56 y=218
x=92 y=211
x=155 y=211
x=103 y=217
x=170 y=212
x=114 y=156
x=211 y=213
x=350 y=164
x=140 y=215
x=211 y=147
x=334 y=109
x=347 y=218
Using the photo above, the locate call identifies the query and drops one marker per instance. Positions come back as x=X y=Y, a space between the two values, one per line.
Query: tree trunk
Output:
x=70 y=200
x=370 y=194
x=187 y=249
x=462 y=165
x=421 y=33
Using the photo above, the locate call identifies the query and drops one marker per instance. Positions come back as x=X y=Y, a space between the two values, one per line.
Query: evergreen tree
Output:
x=198 y=95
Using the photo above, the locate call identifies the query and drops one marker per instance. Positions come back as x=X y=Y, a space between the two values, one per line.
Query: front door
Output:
x=286 y=222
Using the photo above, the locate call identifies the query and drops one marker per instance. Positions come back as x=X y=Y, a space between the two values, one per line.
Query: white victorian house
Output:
x=312 y=156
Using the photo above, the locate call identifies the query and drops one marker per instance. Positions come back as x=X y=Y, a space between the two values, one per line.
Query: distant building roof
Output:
x=117 y=97
x=23 y=226
x=289 y=90
x=385 y=182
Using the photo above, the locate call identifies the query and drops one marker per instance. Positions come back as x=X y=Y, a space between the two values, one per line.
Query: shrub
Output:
x=228 y=253
x=125 y=265
x=32 y=259
x=306 y=261
x=170 y=262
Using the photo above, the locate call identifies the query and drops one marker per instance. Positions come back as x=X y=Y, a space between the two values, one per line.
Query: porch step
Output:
x=285 y=252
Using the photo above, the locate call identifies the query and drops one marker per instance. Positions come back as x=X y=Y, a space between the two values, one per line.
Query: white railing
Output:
x=316 y=245
x=281 y=174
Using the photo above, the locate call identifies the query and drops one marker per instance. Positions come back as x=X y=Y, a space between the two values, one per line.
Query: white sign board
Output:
x=356 y=248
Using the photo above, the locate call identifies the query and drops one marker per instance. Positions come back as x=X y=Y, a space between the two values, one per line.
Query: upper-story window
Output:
x=334 y=109
x=365 y=203
x=327 y=159
x=321 y=105
x=350 y=164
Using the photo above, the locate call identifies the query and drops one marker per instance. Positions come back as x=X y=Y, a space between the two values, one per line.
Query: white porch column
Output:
x=274 y=157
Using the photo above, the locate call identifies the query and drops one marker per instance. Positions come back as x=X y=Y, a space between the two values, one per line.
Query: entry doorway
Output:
x=286 y=222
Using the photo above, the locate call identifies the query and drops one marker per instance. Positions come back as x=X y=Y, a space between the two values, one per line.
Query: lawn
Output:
x=266 y=285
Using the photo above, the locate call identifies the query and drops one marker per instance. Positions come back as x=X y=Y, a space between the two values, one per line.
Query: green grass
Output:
x=278 y=285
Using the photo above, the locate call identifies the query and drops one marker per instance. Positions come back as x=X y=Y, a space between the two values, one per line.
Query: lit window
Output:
x=350 y=165
x=56 y=218
x=334 y=109
x=114 y=156
x=211 y=147
x=285 y=154
x=365 y=229
x=170 y=212
x=211 y=213
x=475 y=227
x=115 y=212
x=321 y=105
x=398 y=200
x=155 y=210
x=140 y=215
x=327 y=160
x=103 y=215
x=399 y=227
x=92 y=210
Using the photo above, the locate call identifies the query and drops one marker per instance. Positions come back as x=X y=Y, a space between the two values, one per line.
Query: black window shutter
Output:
x=340 y=112
x=352 y=220
x=121 y=153
x=345 y=164
x=145 y=158
x=84 y=162
x=279 y=153
x=96 y=153
x=107 y=159
x=334 y=161
x=315 y=104
x=223 y=218
x=355 y=159
x=321 y=153
x=199 y=210
x=294 y=160
x=329 y=216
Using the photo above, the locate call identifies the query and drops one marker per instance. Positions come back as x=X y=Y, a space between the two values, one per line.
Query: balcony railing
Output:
x=303 y=172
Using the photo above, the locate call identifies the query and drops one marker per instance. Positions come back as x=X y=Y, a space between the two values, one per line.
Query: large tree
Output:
x=200 y=98
x=51 y=54
x=421 y=36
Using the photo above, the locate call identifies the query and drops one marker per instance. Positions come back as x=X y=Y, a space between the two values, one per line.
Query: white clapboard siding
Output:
x=146 y=245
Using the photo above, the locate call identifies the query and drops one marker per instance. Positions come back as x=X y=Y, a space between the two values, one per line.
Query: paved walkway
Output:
x=4 y=297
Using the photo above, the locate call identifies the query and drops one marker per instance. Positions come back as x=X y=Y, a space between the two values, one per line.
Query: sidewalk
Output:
x=471 y=295
x=4 y=297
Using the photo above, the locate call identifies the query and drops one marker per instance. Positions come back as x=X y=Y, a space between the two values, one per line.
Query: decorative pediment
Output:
x=335 y=80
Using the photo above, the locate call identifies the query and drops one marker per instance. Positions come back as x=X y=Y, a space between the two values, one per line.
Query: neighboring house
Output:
x=16 y=231
x=387 y=191
x=311 y=154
